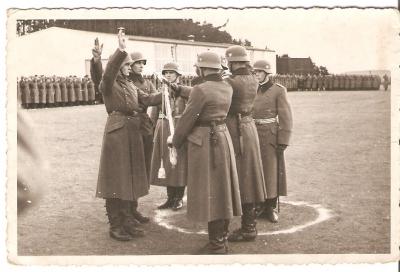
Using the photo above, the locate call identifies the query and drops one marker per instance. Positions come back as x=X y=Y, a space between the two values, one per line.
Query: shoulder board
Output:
x=277 y=84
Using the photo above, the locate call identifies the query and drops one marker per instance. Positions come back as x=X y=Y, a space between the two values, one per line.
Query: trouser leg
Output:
x=116 y=217
x=170 y=198
x=248 y=230
x=130 y=224
x=217 y=243
x=136 y=214
x=270 y=211
x=178 y=195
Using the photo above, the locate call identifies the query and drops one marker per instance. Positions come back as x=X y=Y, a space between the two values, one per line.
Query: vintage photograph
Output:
x=261 y=133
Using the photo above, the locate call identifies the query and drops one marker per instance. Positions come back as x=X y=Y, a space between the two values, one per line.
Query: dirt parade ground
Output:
x=338 y=167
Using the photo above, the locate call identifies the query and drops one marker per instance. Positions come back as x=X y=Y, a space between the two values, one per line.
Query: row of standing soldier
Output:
x=330 y=82
x=40 y=91
x=217 y=135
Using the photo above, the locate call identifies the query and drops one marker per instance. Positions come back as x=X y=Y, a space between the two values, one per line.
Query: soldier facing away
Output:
x=245 y=141
x=213 y=189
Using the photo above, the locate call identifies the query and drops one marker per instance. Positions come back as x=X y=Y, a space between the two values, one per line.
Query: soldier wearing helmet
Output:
x=213 y=189
x=122 y=173
x=273 y=118
x=175 y=177
x=147 y=122
x=245 y=141
x=148 y=118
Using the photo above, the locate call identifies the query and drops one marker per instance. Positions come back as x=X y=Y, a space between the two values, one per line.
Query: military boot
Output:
x=130 y=224
x=217 y=243
x=137 y=215
x=248 y=231
x=115 y=217
x=270 y=211
x=178 y=200
x=170 y=200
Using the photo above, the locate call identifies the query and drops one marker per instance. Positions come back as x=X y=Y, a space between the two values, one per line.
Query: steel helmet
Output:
x=171 y=66
x=209 y=60
x=263 y=65
x=137 y=56
x=236 y=53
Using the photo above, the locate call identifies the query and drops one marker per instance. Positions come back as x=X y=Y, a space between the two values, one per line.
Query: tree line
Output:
x=180 y=29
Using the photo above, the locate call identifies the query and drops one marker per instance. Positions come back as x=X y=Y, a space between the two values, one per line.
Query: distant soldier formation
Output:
x=46 y=92
x=331 y=82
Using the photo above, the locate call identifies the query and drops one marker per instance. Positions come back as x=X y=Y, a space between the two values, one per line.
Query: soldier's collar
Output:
x=241 y=71
x=265 y=86
x=213 y=77
x=136 y=77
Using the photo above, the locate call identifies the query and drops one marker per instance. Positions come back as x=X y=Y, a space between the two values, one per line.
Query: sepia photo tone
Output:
x=250 y=135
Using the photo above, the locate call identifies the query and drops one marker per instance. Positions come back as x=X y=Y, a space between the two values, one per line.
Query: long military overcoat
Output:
x=248 y=158
x=175 y=176
x=272 y=102
x=122 y=172
x=57 y=91
x=213 y=189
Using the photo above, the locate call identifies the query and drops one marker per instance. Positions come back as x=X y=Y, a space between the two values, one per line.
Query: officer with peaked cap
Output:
x=273 y=117
x=245 y=141
x=213 y=188
x=175 y=177
x=122 y=172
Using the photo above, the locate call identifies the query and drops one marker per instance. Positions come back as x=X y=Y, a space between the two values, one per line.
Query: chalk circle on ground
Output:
x=295 y=216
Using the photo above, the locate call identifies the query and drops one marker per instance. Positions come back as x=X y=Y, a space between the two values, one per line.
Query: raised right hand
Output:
x=97 y=49
x=121 y=40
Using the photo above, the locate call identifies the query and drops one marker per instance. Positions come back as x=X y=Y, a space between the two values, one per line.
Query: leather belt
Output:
x=210 y=123
x=265 y=121
x=129 y=114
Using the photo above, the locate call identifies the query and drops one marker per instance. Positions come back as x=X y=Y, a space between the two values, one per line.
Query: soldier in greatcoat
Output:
x=146 y=123
x=64 y=91
x=314 y=82
x=71 y=91
x=175 y=178
x=300 y=82
x=42 y=92
x=386 y=81
x=308 y=82
x=91 y=92
x=335 y=82
x=245 y=141
x=122 y=173
x=57 y=91
x=213 y=188
x=85 y=94
x=273 y=117
x=77 y=90
x=35 y=96
x=320 y=82
x=25 y=93
x=49 y=92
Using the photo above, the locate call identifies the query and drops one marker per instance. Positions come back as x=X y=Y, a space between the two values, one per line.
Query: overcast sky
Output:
x=342 y=40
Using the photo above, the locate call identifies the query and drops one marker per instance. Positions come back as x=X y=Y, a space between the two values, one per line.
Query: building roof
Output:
x=166 y=40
